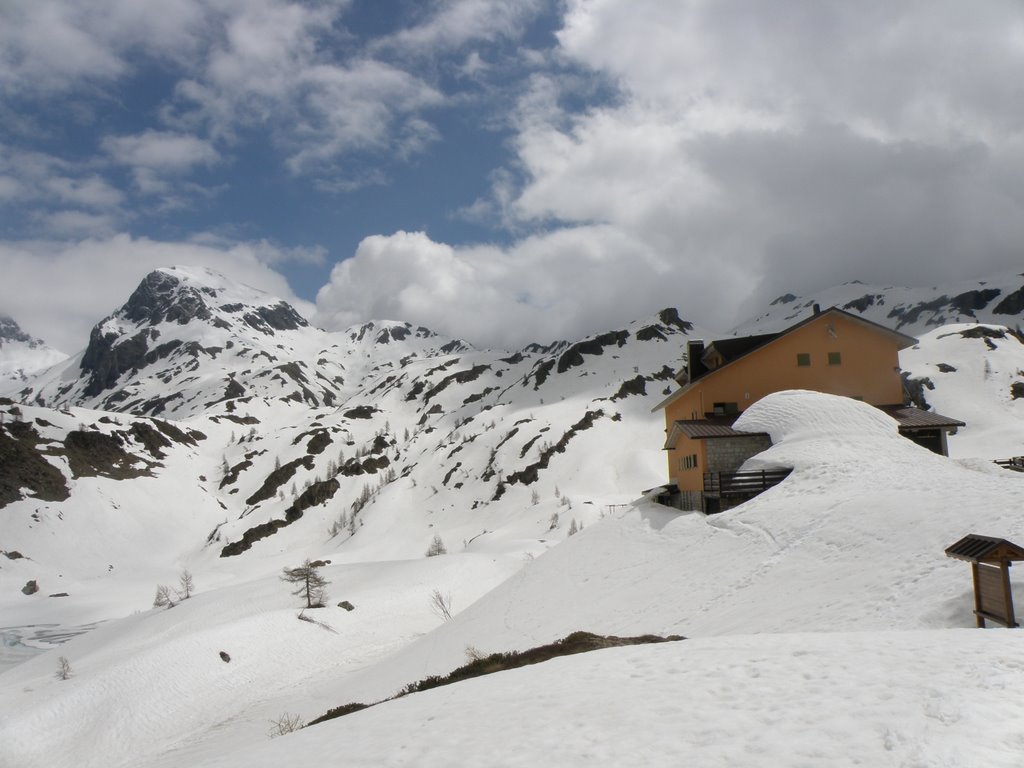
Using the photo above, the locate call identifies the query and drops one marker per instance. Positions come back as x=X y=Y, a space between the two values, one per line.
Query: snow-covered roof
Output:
x=907 y=417
x=910 y=417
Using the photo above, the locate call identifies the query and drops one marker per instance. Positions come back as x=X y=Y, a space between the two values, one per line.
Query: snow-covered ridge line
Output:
x=998 y=299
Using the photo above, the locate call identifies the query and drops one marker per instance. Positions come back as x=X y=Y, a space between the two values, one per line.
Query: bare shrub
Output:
x=163 y=597
x=286 y=723
x=441 y=604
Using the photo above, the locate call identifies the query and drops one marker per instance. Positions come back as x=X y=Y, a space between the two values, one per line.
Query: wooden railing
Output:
x=1015 y=463
x=723 y=484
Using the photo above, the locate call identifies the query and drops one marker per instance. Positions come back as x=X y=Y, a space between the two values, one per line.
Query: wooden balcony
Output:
x=723 y=490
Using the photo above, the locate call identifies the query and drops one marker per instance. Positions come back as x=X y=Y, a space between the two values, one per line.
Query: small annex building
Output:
x=832 y=351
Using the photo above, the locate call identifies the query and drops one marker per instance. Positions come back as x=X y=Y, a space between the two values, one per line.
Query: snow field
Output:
x=852 y=541
x=977 y=391
x=879 y=699
x=154 y=682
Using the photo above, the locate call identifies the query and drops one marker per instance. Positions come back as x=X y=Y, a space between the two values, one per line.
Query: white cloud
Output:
x=367 y=105
x=278 y=66
x=59 y=290
x=54 y=45
x=27 y=177
x=11 y=189
x=72 y=223
x=159 y=160
x=782 y=146
x=89 y=191
x=746 y=150
x=265 y=251
x=559 y=285
x=160 y=151
x=454 y=23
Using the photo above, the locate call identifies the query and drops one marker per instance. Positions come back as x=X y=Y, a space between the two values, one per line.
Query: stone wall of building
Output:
x=727 y=454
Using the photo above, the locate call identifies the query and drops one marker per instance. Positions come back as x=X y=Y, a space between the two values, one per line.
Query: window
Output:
x=803 y=359
x=834 y=358
x=688 y=462
x=725 y=409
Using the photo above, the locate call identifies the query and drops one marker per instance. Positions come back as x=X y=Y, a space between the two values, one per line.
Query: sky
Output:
x=504 y=171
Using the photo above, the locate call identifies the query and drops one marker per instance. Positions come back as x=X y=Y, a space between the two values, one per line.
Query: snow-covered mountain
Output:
x=975 y=371
x=998 y=300
x=188 y=338
x=208 y=427
x=364 y=444
x=21 y=355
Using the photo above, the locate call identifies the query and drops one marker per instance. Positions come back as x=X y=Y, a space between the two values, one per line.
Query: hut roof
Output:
x=975 y=548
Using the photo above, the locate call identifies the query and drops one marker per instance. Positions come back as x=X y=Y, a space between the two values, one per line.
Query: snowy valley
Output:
x=208 y=428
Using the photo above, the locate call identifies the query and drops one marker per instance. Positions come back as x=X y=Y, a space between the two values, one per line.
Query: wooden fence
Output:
x=725 y=484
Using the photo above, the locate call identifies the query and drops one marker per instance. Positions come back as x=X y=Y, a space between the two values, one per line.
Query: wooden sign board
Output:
x=992 y=597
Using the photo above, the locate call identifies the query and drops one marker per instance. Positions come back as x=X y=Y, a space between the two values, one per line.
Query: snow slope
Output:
x=851 y=542
x=878 y=699
x=974 y=372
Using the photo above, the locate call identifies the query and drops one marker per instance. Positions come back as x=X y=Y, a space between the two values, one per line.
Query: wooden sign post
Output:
x=990 y=560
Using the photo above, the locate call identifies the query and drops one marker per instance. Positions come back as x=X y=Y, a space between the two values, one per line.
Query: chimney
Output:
x=694 y=350
x=817 y=308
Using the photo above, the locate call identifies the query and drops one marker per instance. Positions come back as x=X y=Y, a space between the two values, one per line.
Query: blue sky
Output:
x=504 y=170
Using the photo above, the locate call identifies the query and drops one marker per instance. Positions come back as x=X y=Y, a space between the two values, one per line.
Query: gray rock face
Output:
x=280 y=317
x=161 y=297
x=105 y=360
x=1012 y=304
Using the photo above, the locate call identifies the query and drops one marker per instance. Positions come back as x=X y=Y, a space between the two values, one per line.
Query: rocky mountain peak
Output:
x=163 y=297
x=11 y=331
x=21 y=354
x=177 y=295
x=199 y=300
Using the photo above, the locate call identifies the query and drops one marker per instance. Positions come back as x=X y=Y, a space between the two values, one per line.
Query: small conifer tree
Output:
x=436 y=547
x=309 y=583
